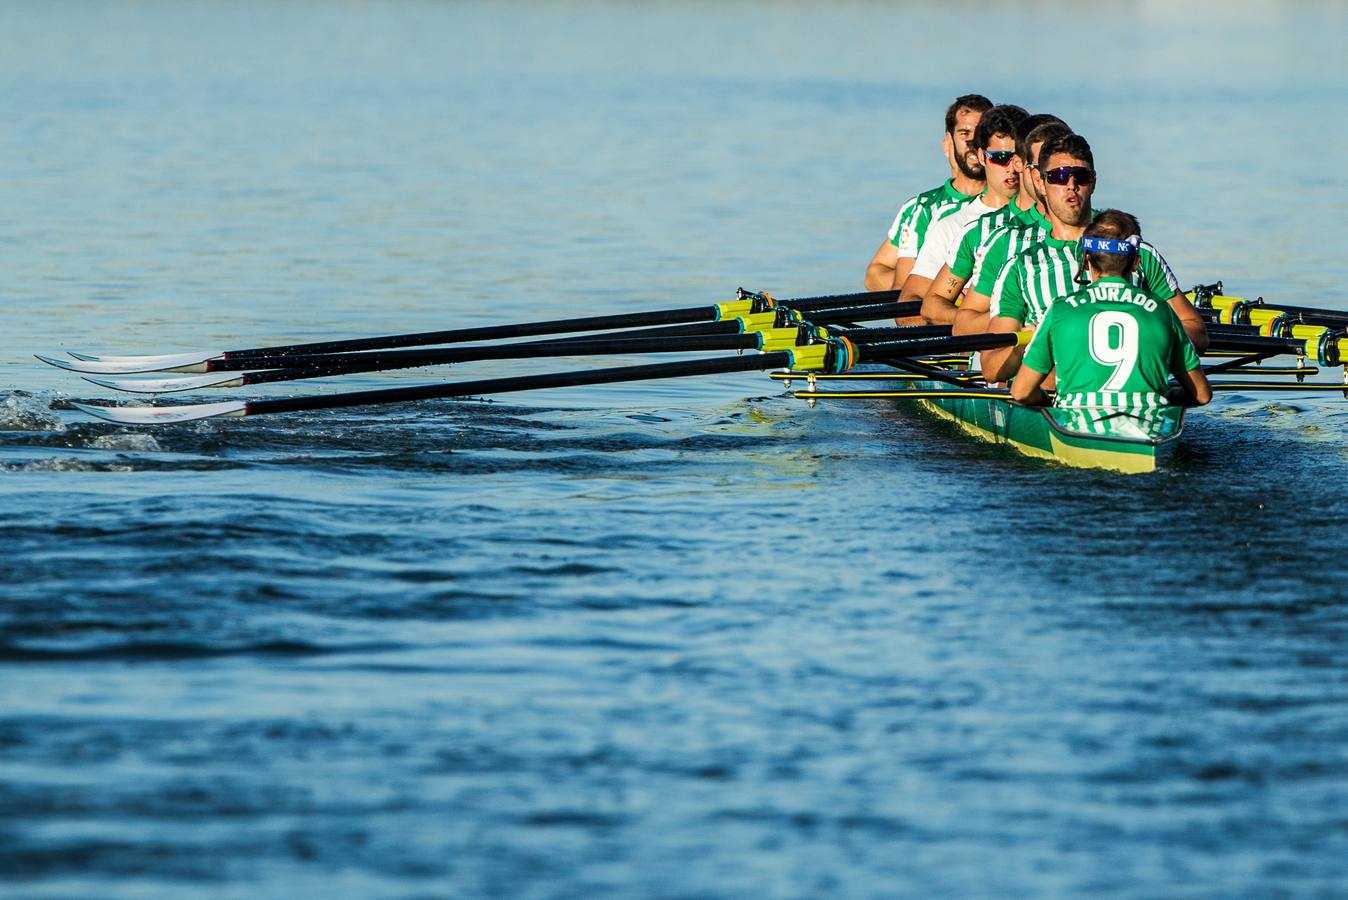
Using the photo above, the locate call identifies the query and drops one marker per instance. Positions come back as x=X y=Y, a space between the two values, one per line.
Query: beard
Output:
x=1075 y=218
x=972 y=170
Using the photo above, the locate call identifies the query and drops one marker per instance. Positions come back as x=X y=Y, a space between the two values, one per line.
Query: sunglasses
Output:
x=1063 y=174
x=999 y=157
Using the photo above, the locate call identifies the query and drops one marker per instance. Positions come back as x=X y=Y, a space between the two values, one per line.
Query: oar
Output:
x=781 y=317
x=749 y=303
x=836 y=354
x=831 y=356
x=295 y=368
x=1259 y=313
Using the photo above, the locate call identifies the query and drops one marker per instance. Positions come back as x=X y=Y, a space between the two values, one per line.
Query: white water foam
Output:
x=140 y=443
x=20 y=411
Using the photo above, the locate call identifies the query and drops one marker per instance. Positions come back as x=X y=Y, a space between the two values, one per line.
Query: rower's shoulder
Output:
x=1147 y=248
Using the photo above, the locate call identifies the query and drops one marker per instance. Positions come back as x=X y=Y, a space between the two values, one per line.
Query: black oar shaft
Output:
x=1304 y=314
x=693 y=337
x=1255 y=344
x=295 y=368
x=864 y=313
x=901 y=332
x=961 y=343
x=486 y=333
x=811 y=304
x=720 y=365
x=554 y=326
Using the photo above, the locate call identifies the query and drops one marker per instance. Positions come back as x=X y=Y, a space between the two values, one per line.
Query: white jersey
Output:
x=943 y=237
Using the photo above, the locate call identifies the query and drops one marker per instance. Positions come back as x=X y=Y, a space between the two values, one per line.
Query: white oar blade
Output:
x=141 y=360
x=182 y=362
x=169 y=385
x=163 y=415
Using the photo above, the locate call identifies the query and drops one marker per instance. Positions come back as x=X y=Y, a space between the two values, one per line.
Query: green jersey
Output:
x=1026 y=229
x=1031 y=281
x=1113 y=345
x=915 y=216
x=966 y=261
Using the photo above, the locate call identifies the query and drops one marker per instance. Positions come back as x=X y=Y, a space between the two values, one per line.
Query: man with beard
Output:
x=894 y=260
x=994 y=143
x=968 y=260
x=1112 y=345
x=1029 y=283
x=1011 y=239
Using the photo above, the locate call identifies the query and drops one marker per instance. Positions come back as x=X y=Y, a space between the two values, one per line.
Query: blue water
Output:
x=680 y=639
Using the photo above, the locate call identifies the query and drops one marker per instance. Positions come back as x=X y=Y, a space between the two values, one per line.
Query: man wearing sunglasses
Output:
x=966 y=261
x=894 y=260
x=1030 y=283
x=994 y=143
x=1112 y=345
x=1015 y=237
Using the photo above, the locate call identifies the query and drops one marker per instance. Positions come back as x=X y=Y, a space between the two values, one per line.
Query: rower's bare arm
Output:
x=1193 y=323
x=1194 y=385
x=914 y=288
x=972 y=317
x=938 y=306
x=1003 y=362
x=880 y=273
x=1028 y=387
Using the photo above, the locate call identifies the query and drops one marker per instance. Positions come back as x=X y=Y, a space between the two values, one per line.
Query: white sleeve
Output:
x=898 y=219
x=933 y=253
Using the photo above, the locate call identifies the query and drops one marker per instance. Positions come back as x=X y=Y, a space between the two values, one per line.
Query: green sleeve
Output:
x=912 y=231
x=1008 y=295
x=1039 y=354
x=1156 y=274
x=994 y=260
x=963 y=266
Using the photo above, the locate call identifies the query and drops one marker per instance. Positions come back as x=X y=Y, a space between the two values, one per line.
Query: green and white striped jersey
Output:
x=915 y=217
x=966 y=260
x=943 y=237
x=1113 y=345
x=1033 y=280
x=1004 y=244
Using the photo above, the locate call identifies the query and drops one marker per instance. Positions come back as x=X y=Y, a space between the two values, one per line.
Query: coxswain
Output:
x=1112 y=345
x=891 y=264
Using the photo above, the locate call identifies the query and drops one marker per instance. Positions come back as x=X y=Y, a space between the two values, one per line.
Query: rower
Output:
x=894 y=260
x=995 y=145
x=988 y=242
x=1008 y=200
x=1030 y=282
x=1112 y=344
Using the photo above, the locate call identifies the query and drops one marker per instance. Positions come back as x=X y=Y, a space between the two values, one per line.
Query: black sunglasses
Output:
x=999 y=157
x=1063 y=174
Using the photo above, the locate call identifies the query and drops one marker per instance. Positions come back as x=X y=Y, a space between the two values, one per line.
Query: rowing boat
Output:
x=812 y=338
x=1129 y=441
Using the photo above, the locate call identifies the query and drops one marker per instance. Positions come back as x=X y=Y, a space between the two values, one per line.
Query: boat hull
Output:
x=1092 y=439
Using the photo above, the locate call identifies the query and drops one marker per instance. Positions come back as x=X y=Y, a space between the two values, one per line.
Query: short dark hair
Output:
x=1116 y=225
x=1001 y=119
x=1072 y=144
x=1030 y=126
x=976 y=102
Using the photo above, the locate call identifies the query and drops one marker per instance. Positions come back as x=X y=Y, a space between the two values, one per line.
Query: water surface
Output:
x=678 y=639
